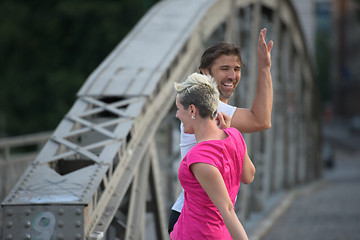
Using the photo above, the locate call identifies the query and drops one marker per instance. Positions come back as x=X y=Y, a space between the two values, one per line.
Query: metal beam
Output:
x=92 y=173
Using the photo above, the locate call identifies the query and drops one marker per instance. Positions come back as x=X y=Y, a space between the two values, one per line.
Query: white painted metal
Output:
x=105 y=143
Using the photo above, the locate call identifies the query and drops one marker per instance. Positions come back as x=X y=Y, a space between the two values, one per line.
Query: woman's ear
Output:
x=193 y=109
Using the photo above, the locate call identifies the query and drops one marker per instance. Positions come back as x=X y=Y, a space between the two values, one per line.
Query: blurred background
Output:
x=49 y=48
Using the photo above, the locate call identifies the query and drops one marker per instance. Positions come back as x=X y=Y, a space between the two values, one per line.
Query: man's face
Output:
x=226 y=72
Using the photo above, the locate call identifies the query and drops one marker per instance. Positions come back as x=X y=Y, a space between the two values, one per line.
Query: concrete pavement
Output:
x=328 y=209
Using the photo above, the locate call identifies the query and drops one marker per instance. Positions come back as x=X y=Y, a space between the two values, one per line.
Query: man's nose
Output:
x=231 y=74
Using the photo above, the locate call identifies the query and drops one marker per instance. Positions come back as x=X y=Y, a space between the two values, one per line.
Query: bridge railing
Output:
x=98 y=175
x=16 y=154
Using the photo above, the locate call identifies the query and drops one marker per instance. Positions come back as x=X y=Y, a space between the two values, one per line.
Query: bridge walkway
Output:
x=324 y=209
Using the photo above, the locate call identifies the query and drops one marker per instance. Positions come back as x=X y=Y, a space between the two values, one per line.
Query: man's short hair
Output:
x=212 y=53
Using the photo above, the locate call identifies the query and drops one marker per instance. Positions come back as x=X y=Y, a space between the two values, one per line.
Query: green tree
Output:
x=47 y=50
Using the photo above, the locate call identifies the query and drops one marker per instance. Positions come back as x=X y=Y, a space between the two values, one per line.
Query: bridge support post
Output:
x=98 y=174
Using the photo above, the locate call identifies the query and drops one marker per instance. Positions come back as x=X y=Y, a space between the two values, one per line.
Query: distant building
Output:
x=332 y=34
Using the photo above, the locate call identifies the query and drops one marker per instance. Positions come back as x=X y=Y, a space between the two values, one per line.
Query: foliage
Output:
x=47 y=50
x=357 y=11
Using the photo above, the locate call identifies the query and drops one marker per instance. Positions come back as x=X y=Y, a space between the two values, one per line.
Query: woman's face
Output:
x=184 y=115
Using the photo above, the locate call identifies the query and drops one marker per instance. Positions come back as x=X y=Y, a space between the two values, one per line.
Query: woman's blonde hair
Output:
x=201 y=91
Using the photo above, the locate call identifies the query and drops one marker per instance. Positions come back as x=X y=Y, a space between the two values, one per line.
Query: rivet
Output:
x=27 y=237
x=78 y=236
x=9 y=212
x=60 y=236
x=60 y=224
x=27 y=212
x=78 y=223
x=9 y=224
x=61 y=211
x=27 y=224
x=78 y=211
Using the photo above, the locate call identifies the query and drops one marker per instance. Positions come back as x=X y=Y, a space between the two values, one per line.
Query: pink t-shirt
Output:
x=199 y=218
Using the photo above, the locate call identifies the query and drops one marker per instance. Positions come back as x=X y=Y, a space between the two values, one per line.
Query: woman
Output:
x=211 y=172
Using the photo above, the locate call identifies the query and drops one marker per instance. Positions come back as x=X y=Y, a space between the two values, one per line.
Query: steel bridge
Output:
x=108 y=171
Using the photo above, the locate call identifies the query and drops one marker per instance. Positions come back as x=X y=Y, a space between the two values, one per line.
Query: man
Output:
x=223 y=62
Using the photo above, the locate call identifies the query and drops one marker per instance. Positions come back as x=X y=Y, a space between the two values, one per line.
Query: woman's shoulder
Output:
x=235 y=136
x=231 y=131
x=206 y=146
x=206 y=149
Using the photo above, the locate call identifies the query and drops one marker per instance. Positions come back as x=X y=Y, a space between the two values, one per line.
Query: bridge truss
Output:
x=99 y=177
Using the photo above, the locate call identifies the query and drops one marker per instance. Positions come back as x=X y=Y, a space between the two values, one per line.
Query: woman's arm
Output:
x=212 y=182
x=248 y=170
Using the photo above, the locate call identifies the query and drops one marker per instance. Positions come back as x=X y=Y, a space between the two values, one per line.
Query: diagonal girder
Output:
x=84 y=173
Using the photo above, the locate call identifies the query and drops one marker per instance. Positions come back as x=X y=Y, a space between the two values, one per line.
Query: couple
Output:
x=215 y=161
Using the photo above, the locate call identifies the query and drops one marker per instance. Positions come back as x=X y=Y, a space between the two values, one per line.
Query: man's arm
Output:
x=259 y=116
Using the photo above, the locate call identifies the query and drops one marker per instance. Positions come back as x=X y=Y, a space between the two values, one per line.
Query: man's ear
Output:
x=204 y=71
